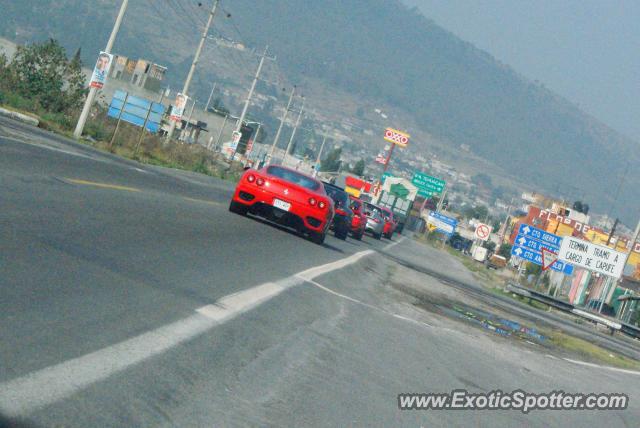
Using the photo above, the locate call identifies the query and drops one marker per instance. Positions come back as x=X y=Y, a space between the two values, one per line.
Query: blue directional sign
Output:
x=532 y=244
x=553 y=241
x=536 y=258
x=443 y=223
x=137 y=111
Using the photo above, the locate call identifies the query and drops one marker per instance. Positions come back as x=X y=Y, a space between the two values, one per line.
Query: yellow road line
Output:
x=102 y=185
x=203 y=201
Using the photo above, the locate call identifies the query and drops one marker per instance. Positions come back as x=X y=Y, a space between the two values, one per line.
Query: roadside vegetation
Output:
x=41 y=81
x=494 y=282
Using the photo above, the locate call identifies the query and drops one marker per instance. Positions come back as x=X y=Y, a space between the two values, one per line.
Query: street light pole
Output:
x=282 y=121
x=293 y=133
x=317 y=165
x=248 y=100
x=213 y=88
x=82 y=120
x=196 y=58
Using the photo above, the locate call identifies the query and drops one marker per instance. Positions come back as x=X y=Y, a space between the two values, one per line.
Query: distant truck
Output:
x=480 y=254
x=398 y=194
x=496 y=262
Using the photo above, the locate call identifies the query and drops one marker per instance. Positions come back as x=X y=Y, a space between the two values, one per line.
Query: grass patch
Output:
x=153 y=150
x=590 y=351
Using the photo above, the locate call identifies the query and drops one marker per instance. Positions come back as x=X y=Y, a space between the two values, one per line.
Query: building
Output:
x=140 y=72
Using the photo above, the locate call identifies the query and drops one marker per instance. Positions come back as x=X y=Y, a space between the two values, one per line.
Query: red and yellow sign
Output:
x=396 y=137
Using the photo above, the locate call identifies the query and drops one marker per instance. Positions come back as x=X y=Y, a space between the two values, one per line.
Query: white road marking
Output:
x=359 y=302
x=44 y=146
x=615 y=369
x=28 y=393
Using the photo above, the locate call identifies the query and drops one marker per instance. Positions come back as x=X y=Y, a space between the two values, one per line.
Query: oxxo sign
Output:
x=596 y=258
x=396 y=137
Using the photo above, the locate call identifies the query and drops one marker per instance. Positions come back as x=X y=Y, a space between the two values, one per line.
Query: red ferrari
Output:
x=389 y=222
x=359 y=219
x=286 y=197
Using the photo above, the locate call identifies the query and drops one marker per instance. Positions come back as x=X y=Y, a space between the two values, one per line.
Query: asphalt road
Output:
x=130 y=296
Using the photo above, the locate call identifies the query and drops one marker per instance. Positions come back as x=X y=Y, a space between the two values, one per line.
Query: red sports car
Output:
x=389 y=222
x=287 y=197
x=359 y=220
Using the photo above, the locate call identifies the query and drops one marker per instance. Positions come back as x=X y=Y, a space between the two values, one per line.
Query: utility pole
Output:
x=82 y=120
x=282 y=121
x=186 y=128
x=293 y=133
x=248 y=100
x=196 y=58
x=206 y=109
x=317 y=165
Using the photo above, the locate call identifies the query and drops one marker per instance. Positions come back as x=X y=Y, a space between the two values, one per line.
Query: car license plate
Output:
x=281 y=204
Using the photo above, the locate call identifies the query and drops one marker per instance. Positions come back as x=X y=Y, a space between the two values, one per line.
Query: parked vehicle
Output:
x=287 y=197
x=341 y=224
x=459 y=243
x=375 y=220
x=480 y=254
x=496 y=262
x=359 y=220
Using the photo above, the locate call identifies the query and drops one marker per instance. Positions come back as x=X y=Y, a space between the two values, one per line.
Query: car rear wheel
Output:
x=238 y=208
x=341 y=233
x=317 y=237
x=377 y=235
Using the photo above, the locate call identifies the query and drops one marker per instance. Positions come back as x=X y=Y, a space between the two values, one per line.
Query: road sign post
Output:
x=594 y=257
x=531 y=243
x=427 y=185
x=483 y=231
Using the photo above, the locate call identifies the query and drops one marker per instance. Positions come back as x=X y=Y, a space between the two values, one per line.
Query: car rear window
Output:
x=294 y=177
x=337 y=195
x=373 y=209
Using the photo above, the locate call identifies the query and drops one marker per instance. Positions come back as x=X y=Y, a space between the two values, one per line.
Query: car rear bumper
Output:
x=374 y=227
x=260 y=202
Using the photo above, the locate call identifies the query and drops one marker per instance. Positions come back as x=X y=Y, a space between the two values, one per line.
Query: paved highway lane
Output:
x=130 y=296
x=87 y=265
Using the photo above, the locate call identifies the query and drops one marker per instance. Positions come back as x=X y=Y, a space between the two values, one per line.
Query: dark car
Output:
x=343 y=217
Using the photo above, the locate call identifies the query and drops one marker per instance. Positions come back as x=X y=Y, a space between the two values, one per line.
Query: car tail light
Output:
x=322 y=205
x=251 y=178
x=312 y=202
x=260 y=181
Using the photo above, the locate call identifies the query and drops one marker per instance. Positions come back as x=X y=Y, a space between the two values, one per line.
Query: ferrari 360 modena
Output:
x=287 y=197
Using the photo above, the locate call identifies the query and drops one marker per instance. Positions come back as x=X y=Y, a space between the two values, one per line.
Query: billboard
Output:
x=177 y=109
x=396 y=137
x=137 y=111
x=101 y=70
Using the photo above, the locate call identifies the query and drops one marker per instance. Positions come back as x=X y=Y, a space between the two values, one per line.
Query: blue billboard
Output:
x=136 y=110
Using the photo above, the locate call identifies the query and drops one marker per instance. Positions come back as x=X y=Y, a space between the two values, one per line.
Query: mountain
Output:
x=381 y=51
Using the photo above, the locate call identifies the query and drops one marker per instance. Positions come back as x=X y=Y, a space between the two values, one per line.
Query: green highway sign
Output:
x=385 y=175
x=427 y=185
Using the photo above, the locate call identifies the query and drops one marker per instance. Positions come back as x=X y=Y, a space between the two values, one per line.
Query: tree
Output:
x=42 y=73
x=581 y=207
x=505 y=250
x=482 y=180
x=332 y=162
x=358 y=168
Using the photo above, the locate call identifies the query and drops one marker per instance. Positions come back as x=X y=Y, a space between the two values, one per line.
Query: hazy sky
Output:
x=586 y=50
